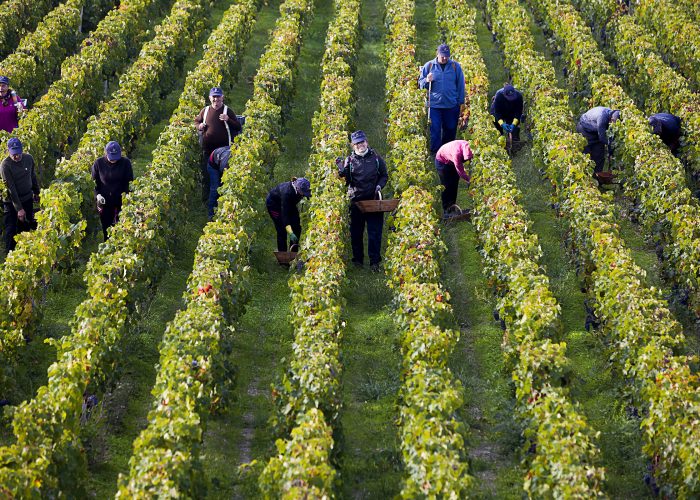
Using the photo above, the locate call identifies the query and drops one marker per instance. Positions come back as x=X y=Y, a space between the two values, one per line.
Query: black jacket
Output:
x=112 y=179
x=669 y=126
x=283 y=199
x=363 y=174
x=506 y=110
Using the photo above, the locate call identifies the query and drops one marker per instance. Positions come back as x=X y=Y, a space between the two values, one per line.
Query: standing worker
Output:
x=22 y=190
x=217 y=125
x=366 y=175
x=593 y=125
x=281 y=204
x=10 y=106
x=668 y=128
x=112 y=174
x=449 y=162
x=218 y=162
x=444 y=79
x=507 y=110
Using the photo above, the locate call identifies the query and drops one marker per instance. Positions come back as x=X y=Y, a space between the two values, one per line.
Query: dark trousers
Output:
x=14 y=226
x=443 y=126
x=375 y=223
x=449 y=178
x=282 y=230
x=596 y=150
x=109 y=216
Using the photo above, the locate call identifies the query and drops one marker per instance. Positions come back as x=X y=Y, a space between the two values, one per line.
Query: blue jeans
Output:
x=214 y=183
x=443 y=126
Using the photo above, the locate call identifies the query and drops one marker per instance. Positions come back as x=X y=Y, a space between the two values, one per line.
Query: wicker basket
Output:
x=379 y=205
x=285 y=258
x=605 y=177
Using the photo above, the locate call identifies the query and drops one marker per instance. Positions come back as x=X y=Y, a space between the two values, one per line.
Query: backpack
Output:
x=200 y=133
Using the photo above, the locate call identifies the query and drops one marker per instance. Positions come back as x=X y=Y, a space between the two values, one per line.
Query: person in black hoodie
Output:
x=507 y=110
x=281 y=204
x=668 y=128
x=366 y=175
x=112 y=174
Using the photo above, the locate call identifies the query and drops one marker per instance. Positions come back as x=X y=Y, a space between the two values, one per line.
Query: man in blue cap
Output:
x=281 y=203
x=217 y=126
x=444 y=79
x=507 y=110
x=112 y=174
x=366 y=175
x=22 y=190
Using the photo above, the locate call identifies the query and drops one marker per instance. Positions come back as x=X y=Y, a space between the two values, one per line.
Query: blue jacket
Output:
x=595 y=122
x=447 y=90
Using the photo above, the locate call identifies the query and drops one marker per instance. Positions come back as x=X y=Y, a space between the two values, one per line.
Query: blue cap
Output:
x=303 y=186
x=5 y=80
x=216 y=91
x=357 y=137
x=509 y=92
x=14 y=146
x=113 y=151
x=443 y=50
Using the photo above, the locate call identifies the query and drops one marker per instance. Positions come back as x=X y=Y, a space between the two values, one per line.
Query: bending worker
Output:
x=444 y=79
x=593 y=125
x=281 y=204
x=668 y=128
x=218 y=162
x=449 y=162
x=507 y=110
x=366 y=175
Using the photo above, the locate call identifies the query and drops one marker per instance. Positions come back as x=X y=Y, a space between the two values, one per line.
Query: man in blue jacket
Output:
x=444 y=79
x=593 y=125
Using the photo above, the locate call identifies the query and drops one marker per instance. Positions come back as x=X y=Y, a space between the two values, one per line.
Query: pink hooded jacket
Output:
x=456 y=153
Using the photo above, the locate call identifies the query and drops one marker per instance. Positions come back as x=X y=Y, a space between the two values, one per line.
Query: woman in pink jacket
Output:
x=10 y=106
x=449 y=162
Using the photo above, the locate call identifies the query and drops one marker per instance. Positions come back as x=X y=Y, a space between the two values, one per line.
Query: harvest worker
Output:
x=112 y=174
x=449 y=162
x=507 y=110
x=10 y=106
x=365 y=175
x=218 y=162
x=217 y=125
x=22 y=190
x=444 y=79
x=281 y=204
x=668 y=128
x=593 y=125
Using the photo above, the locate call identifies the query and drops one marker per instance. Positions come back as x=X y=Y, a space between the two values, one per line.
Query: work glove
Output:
x=507 y=128
x=294 y=238
x=377 y=189
x=100 y=202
